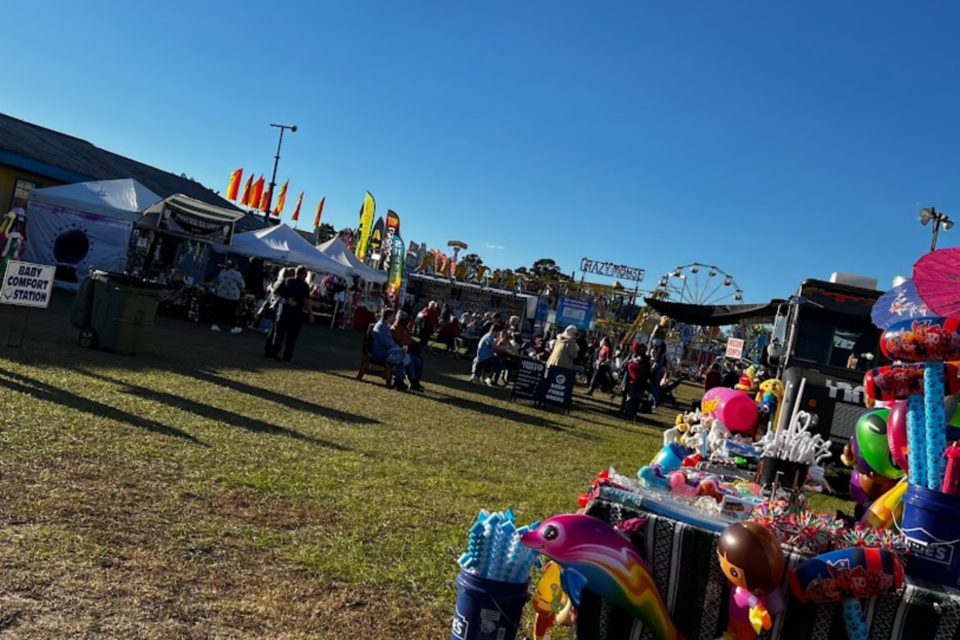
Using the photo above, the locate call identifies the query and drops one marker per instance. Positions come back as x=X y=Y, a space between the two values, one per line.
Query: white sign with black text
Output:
x=26 y=284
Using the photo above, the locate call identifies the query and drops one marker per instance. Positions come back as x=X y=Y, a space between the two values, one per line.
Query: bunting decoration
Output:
x=256 y=195
x=366 y=223
x=234 y=187
x=296 y=212
x=316 y=220
x=281 y=200
x=245 y=197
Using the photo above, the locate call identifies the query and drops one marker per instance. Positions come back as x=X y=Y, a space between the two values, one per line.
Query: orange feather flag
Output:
x=264 y=199
x=234 y=187
x=316 y=221
x=281 y=200
x=256 y=194
x=245 y=197
x=296 y=212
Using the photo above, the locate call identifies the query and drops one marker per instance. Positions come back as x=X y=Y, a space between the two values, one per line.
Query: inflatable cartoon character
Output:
x=753 y=562
x=551 y=604
x=747 y=379
x=11 y=239
x=770 y=398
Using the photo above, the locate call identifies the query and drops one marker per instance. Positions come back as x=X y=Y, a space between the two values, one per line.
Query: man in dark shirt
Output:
x=293 y=296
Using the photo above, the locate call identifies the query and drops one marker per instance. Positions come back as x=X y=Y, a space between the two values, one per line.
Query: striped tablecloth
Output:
x=683 y=561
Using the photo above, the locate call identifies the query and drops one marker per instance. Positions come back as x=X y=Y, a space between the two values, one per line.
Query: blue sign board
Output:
x=574 y=311
x=543 y=310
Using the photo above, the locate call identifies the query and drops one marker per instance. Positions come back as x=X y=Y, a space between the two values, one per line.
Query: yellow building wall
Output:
x=8 y=180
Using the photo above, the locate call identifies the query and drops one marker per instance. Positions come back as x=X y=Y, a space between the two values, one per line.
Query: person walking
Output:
x=601 y=375
x=429 y=321
x=230 y=286
x=293 y=302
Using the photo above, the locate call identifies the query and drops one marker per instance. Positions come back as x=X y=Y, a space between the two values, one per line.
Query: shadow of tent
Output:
x=49 y=393
x=213 y=413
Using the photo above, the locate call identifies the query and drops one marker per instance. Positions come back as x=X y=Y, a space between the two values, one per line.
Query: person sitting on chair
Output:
x=449 y=330
x=487 y=356
x=384 y=347
x=402 y=336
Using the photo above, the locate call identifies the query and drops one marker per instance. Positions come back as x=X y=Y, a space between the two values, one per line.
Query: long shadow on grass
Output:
x=293 y=403
x=491 y=410
x=43 y=391
x=221 y=415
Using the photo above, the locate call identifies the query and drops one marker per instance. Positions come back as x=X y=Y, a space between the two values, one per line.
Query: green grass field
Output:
x=200 y=491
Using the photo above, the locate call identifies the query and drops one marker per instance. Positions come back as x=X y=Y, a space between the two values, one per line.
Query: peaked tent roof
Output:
x=123 y=199
x=68 y=159
x=336 y=249
x=282 y=244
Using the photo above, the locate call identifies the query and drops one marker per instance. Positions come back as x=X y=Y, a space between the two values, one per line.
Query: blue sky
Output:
x=777 y=140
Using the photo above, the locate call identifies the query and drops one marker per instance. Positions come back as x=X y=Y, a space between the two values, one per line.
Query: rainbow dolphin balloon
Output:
x=595 y=554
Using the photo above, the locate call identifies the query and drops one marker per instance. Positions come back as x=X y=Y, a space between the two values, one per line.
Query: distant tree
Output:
x=472 y=261
x=547 y=269
x=325 y=231
x=522 y=271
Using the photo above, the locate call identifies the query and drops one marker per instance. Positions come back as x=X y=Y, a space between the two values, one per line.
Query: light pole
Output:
x=939 y=218
x=276 y=162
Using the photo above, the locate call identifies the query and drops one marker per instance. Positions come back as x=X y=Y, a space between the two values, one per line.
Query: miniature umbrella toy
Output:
x=937 y=278
x=903 y=302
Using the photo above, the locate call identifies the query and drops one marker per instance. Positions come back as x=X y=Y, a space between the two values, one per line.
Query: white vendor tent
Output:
x=282 y=244
x=336 y=249
x=81 y=226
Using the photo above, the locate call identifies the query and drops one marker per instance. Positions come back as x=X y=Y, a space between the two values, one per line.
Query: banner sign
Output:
x=26 y=284
x=367 y=211
x=734 y=348
x=376 y=237
x=611 y=270
x=528 y=380
x=396 y=271
x=557 y=388
x=574 y=311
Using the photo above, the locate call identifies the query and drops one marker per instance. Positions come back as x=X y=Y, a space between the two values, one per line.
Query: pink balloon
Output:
x=737 y=411
x=897 y=434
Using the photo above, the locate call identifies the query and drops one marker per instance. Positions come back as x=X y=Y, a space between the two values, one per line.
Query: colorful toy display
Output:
x=550 y=604
x=871 y=445
x=897 y=434
x=770 y=399
x=594 y=554
x=845 y=575
x=737 y=412
x=885 y=510
x=922 y=340
x=494 y=551
x=752 y=560
x=899 y=381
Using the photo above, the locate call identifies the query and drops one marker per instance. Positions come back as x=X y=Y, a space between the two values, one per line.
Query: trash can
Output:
x=111 y=310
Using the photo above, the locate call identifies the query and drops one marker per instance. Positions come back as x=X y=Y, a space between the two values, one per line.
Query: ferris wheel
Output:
x=700 y=284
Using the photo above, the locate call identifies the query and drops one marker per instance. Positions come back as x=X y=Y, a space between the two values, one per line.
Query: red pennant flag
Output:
x=234 y=187
x=245 y=198
x=256 y=196
x=296 y=212
x=281 y=200
x=316 y=221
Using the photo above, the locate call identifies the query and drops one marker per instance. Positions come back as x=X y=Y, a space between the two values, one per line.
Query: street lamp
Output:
x=939 y=218
x=276 y=162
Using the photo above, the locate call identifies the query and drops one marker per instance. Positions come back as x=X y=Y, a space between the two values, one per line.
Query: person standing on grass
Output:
x=638 y=380
x=601 y=375
x=487 y=356
x=565 y=350
x=429 y=321
x=713 y=378
x=230 y=285
x=293 y=302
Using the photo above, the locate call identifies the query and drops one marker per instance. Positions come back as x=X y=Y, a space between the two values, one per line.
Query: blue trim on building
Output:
x=23 y=163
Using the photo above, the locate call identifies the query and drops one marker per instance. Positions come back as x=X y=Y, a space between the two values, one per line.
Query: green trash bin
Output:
x=114 y=309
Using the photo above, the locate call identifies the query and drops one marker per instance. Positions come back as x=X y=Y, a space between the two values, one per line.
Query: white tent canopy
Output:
x=123 y=199
x=334 y=248
x=282 y=244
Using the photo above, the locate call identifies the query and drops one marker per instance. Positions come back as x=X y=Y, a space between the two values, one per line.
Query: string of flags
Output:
x=256 y=195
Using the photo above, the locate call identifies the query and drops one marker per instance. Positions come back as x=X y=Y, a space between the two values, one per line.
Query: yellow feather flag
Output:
x=281 y=200
x=296 y=212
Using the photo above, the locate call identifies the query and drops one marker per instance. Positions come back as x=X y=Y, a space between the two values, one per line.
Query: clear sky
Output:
x=778 y=140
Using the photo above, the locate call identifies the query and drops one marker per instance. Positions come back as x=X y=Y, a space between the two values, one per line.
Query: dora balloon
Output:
x=753 y=562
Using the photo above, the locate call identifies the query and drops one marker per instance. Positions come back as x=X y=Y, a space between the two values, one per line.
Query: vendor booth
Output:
x=471 y=298
x=84 y=226
x=335 y=248
x=283 y=245
x=173 y=238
